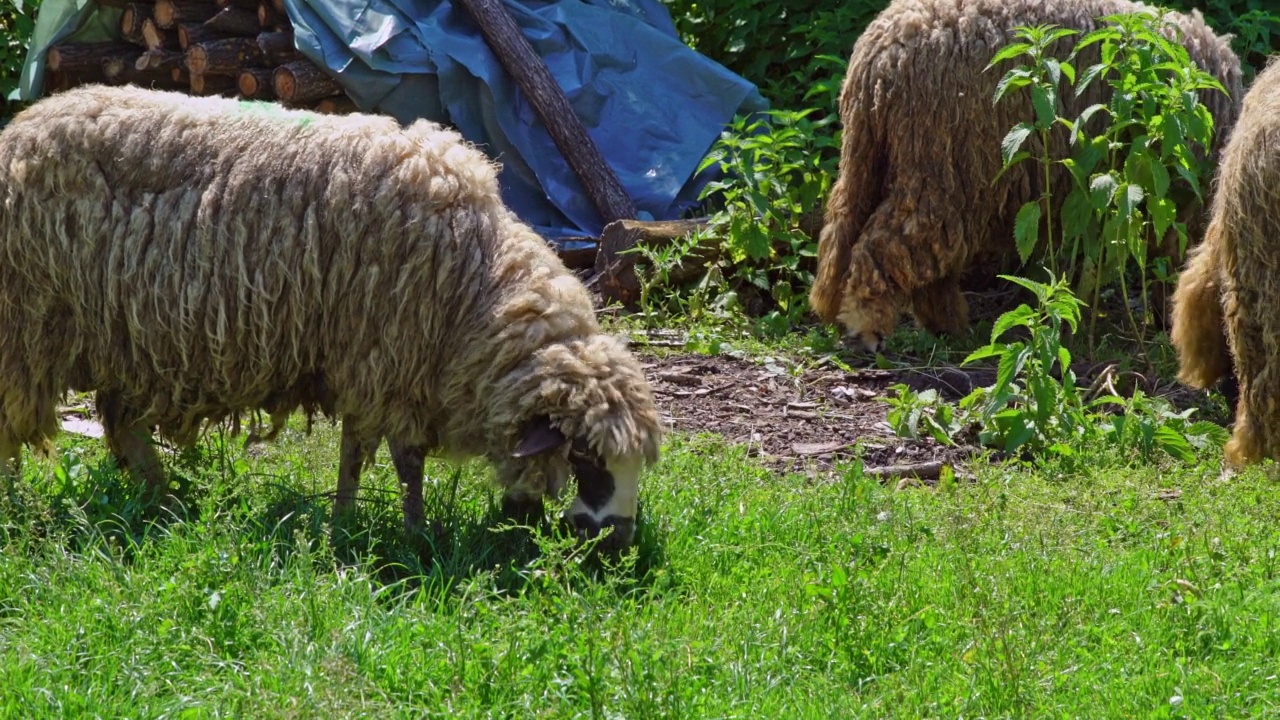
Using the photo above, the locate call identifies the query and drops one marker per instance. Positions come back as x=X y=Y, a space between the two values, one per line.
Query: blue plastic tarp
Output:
x=652 y=105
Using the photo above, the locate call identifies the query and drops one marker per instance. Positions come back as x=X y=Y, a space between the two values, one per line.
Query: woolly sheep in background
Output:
x=1226 y=308
x=913 y=208
x=190 y=259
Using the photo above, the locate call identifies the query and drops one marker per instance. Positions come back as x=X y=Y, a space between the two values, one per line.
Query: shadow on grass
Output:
x=84 y=500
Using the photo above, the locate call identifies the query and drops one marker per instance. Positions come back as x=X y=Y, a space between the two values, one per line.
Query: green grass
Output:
x=751 y=595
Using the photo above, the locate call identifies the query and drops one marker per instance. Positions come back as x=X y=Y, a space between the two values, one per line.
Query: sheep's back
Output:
x=918 y=72
x=199 y=254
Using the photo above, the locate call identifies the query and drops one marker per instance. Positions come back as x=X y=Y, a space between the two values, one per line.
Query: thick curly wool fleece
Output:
x=199 y=257
x=1225 y=306
x=913 y=207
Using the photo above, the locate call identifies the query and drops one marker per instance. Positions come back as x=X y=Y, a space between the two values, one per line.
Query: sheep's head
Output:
x=608 y=487
x=867 y=319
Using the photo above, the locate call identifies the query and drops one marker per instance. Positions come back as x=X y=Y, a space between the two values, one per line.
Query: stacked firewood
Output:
x=205 y=47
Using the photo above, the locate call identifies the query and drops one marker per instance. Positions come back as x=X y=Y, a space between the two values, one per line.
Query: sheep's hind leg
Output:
x=940 y=307
x=350 y=461
x=131 y=443
x=408 y=460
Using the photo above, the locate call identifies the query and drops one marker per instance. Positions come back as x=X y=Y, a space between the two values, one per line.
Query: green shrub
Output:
x=1132 y=161
x=17 y=21
x=1036 y=410
x=1255 y=24
x=783 y=46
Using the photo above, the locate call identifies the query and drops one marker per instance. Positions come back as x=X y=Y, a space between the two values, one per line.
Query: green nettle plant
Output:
x=1027 y=406
x=1127 y=177
x=1035 y=408
x=776 y=171
x=17 y=22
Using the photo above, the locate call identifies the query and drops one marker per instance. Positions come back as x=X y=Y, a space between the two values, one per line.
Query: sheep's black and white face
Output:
x=608 y=488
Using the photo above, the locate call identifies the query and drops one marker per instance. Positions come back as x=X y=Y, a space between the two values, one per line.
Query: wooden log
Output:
x=337 y=105
x=223 y=57
x=577 y=258
x=616 y=266
x=180 y=74
x=210 y=84
x=303 y=80
x=86 y=57
x=119 y=71
x=234 y=21
x=255 y=83
x=156 y=38
x=193 y=34
x=131 y=22
x=277 y=47
x=170 y=13
x=164 y=60
x=534 y=79
x=55 y=81
x=268 y=18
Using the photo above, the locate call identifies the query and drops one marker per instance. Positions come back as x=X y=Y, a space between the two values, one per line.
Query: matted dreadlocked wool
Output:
x=194 y=258
x=913 y=208
x=1225 y=308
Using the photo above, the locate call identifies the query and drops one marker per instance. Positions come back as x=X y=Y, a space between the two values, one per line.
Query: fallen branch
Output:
x=931 y=470
x=531 y=75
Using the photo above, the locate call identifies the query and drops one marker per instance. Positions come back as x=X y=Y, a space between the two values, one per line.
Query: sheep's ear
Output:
x=539 y=437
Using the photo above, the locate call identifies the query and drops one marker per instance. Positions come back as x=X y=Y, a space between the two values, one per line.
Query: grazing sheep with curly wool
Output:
x=1225 y=319
x=190 y=259
x=914 y=208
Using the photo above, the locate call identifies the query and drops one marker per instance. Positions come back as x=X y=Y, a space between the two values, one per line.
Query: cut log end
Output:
x=255 y=83
x=223 y=57
x=337 y=105
x=302 y=80
x=169 y=13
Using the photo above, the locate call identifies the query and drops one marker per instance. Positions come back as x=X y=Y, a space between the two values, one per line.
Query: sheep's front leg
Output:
x=10 y=463
x=350 y=461
x=130 y=443
x=409 y=460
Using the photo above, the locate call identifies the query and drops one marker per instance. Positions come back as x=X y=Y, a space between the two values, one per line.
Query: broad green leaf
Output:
x=1206 y=433
x=983 y=353
x=1007 y=52
x=1130 y=197
x=1162 y=212
x=1021 y=316
x=1103 y=188
x=1172 y=442
x=1012 y=80
x=1069 y=70
x=1013 y=141
x=1053 y=69
x=1023 y=155
x=1076 y=213
x=1043 y=105
x=1091 y=73
x=1085 y=115
x=1011 y=364
x=1026 y=229
x=1019 y=434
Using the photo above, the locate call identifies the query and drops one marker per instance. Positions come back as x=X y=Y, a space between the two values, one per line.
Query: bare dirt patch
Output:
x=805 y=421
